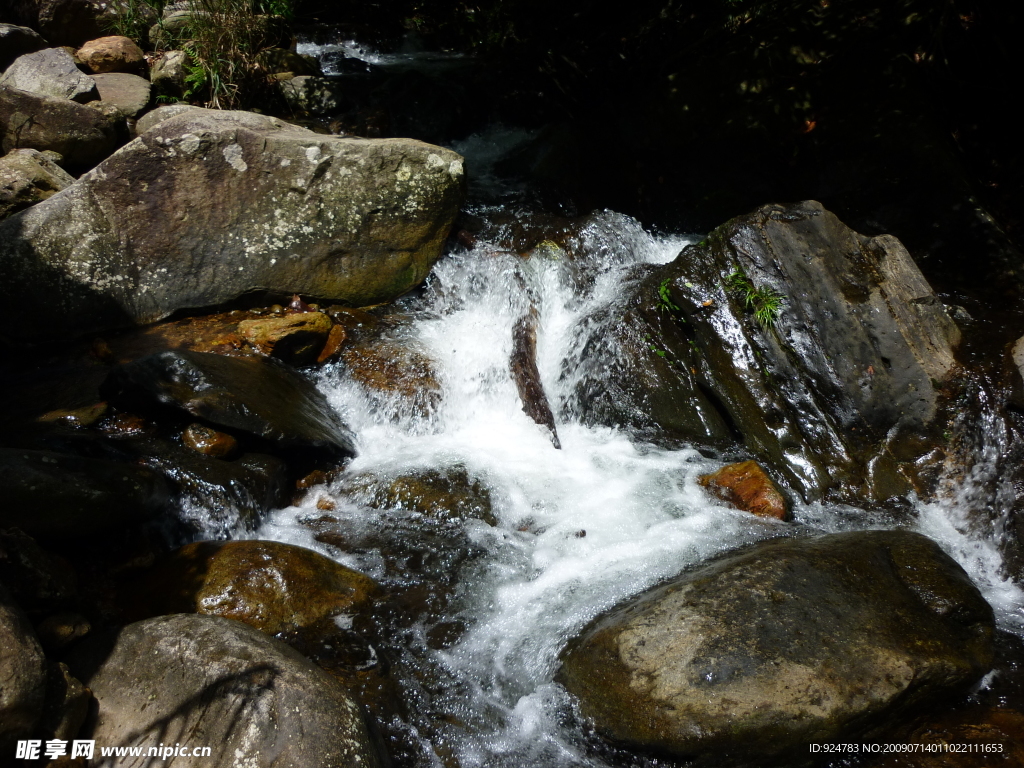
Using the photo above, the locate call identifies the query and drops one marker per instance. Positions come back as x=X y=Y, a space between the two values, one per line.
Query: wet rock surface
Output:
x=747 y=487
x=163 y=680
x=376 y=215
x=824 y=350
x=50 y=494
x=268 y=585
x=788 y=642
x=258 y=396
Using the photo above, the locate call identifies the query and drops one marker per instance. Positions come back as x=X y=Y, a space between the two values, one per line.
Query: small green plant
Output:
x=665 y=295
x=764 y=302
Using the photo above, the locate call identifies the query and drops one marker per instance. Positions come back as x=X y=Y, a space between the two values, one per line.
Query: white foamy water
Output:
x=579 y=529
x=332 y=55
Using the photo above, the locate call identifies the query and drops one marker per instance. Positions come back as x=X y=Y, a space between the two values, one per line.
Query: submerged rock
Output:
x=823 y=350
x=207 y=206
x=268 y=585
x=256 y=395
x=788 y=642
x=443 y=494
x=749 y=488
x=163 y=680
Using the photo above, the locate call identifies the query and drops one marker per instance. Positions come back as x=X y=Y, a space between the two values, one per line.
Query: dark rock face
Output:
x=81 y=134
x=252 y=698
x=788 y=642
x=16 y=41
x=207 y=206
x=823 y=350
x=52 y=494
x=22 y=674
x=256 y=395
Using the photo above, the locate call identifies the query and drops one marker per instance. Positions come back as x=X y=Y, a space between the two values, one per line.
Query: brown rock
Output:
x=77 y=417
x=209 y=441
x=397 y=372
x=334 y=341
x=297 y=338
x=111 y=54
x=271 y=586
x=746 y=486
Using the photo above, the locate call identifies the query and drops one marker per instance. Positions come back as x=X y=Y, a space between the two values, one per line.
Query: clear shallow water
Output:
x=579 y=529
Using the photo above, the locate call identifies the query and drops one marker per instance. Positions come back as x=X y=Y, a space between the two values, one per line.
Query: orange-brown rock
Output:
x=297 y=337
x=395 y=371
x=208 y=441
x=268 y=585
x=746 y=486
x=334 y=341
x=78 y=417
x=111 y=54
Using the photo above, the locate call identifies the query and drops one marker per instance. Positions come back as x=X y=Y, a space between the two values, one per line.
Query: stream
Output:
x=578 y=529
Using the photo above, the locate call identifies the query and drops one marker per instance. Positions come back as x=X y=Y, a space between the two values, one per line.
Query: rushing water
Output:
x=578 y=529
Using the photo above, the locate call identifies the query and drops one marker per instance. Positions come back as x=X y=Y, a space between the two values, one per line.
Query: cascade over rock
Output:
x=823 y=350
x=791 y=641
x=208 y=205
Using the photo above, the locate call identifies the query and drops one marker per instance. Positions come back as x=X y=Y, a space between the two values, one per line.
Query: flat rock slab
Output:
x=786 y=643
x=129 y=93
x=213 y=682
x=50 y=72
x=208 y=206
x=256 y=395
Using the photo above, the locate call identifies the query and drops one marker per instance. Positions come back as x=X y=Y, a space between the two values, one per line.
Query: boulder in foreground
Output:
x=788 y=642
x=214 y=682
x=207 y=206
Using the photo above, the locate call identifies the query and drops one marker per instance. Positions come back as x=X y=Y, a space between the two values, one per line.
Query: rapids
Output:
x=579 y=529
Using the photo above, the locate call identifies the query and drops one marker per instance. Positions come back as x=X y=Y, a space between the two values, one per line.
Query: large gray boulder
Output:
x=28 y=176
x=22 y=674
x=208 y=205
x=210 y=681
x=16 y=41
x=50 y=72
x=824 y=351
x=82 y=135
x=786 y=643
